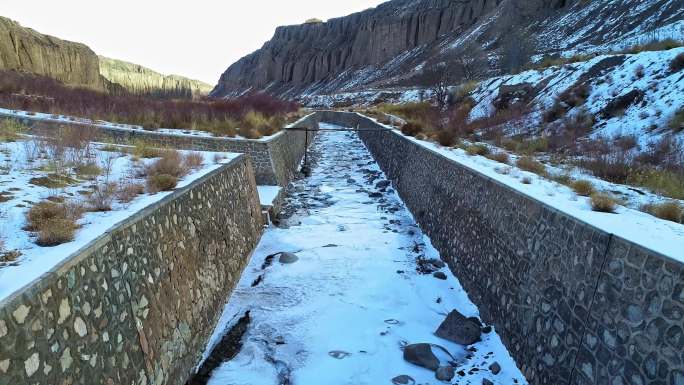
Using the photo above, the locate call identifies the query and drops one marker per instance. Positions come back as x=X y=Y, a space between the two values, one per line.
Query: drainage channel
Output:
x=345 y=289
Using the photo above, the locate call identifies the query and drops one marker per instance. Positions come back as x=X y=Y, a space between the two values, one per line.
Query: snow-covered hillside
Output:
x=633 y=94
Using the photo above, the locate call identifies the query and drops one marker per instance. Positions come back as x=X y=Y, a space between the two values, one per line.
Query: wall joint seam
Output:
x=591 y=306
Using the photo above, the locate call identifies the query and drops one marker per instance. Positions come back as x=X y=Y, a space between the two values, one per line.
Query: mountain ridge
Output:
x=395 y=43
x=139 y=79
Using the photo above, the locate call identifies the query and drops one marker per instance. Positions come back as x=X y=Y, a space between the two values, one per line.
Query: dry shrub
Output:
x=533 y=145
x=420 y=111
x=583 y=187
x=129 y=191
x=555 y=112
x=261 y=125
x=677 y=122
x=144 y=149
x=171 y=162
x=249 y=132
x=603 y=203
x=55 y=223
x=102 y=197
x=161 y=182
x=193 y=161
x=88 y=170
x=664 y=182
x=627 y=142
x=477 y=149
x=530 y=164
x=576 y=95
x=677 y=64
x=148 y=111
x=446 y=138
x=412 y=128
x=500 y=156
x=53 y=181
x=669 y=211
x=614 y=168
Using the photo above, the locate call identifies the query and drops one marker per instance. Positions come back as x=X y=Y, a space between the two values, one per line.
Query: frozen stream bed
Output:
x=344 y=310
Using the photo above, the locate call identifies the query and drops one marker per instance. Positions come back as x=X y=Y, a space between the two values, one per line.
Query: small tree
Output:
x=439 y=78
x=473 y=63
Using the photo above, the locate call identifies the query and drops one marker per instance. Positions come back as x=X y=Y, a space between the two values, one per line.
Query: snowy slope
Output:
x=647 y=72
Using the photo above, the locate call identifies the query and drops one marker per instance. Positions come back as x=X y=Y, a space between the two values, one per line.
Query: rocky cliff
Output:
x=397 y=42
x=23 y=49
x=141 y=80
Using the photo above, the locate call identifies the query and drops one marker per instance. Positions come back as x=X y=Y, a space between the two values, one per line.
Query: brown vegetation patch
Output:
x=669 y=211
x=530 y=164
x=583 y=187
x=603 y=203
x=53 y=181
x=55 y=223
x=161 y=182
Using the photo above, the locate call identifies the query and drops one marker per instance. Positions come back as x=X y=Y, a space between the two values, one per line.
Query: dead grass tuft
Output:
x=530 y=164
x=500 y=156
x=446 y=138
x=583 y=187
x=193 y=161
x=10 y=130
x=171 y=162
x=477 y=149
x=669 y=211
x=412 y=128
x=161 y=182
x=603 y=203
x=53 y=181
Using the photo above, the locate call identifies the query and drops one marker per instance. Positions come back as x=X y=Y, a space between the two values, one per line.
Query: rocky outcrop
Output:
x=300 y=56
x=137 y=79
x=23 y=49
x=394 y=43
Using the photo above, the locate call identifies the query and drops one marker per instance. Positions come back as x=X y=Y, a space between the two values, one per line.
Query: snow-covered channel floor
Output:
x=354 y=291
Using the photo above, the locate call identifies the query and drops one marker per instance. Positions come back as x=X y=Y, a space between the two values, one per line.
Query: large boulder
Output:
x=421 y=355
x=459 y=329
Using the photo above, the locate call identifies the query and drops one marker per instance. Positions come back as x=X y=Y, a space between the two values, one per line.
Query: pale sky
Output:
x=194 y=38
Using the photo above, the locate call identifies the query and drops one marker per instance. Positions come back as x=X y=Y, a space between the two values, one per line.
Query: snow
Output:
x=354 y=289
x=664 y=237
x=268 y=194
x=647 y=121
x=35 y=260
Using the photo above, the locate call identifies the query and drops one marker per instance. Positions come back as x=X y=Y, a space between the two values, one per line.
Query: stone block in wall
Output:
x=636 y=326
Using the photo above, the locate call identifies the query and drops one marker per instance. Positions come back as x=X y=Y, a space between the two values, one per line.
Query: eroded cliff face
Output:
x=23 y=49
x=393 y=43
x=137 y=79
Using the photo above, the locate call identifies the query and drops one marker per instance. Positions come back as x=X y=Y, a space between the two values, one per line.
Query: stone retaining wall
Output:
x=573 y=304
x=138 y=304
x=275 y=159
